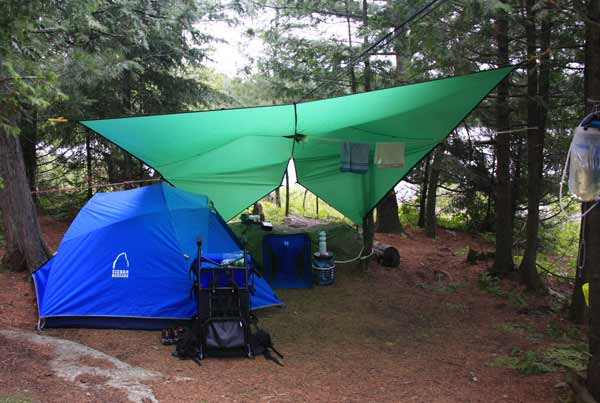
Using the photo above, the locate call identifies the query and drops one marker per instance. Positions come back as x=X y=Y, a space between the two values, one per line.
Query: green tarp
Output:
x=237 y=156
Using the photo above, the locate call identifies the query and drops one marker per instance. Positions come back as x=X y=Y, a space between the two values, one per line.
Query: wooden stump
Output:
x=387 y=255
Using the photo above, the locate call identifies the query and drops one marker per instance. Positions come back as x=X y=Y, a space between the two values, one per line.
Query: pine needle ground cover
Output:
x=377 y=335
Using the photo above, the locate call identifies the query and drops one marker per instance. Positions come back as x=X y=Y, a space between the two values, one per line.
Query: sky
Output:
x=236 y=50
x=232 y=55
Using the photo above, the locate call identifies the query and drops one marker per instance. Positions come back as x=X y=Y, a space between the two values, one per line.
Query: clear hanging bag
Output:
x=584 y=167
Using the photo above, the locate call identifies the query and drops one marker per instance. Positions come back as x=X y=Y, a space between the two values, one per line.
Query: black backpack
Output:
x=189 y=342
x=261 y=344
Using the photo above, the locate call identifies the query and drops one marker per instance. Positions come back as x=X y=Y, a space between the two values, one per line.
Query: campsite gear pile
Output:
x=188 y=344
x=125 y=261
x=323 y=263
x=287 y=260
x=223 y=324
x=223 y=298
x=250 y=219
x=172 y=335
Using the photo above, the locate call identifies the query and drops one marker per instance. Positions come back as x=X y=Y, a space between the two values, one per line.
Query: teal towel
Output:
x=354 y=157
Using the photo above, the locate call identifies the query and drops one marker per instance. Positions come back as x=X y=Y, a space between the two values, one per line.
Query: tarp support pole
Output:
x=368 y=230
x=287 y=192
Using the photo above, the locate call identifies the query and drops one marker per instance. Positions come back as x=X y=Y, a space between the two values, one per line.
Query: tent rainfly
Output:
x=237 y=156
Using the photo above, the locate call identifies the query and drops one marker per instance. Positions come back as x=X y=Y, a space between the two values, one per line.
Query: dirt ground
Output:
x=424 y=332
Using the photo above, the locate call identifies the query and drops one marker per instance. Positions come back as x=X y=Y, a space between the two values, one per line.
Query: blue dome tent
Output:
x=124 y=261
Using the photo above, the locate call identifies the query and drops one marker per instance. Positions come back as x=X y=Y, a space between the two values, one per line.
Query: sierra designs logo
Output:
x=120 y=266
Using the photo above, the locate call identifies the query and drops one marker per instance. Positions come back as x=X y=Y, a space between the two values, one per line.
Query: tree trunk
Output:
x=387 y=215
x=387 y=209
x=304 y=200
x=88 y=165
x=368 y=236
x=503 y=261
x=516 y=186
x=110 y=159
x=591 y=263
x=368 y=223
x=351 y=51
x=28 y=140
x=535 y=152
x=127 y=168
x=278 y=197
x=488 y=224
x=141 y=170
x=367 y=71
x=592 y=240
x=578 y=308
x=423 y=193
x=434 y=175
x=25 y=247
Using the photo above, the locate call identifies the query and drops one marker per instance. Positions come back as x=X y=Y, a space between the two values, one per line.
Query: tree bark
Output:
x=278 y=197
x=423 y=193
x=387 y=215
x=28 y=140
x=535 y=152
x=387 y=209
x=367 y=71
x=503 y=262
x=304 y=200
x=368 y=224
x=350 y=66
x=516 y=186
x=127 y=169
x=488 y=223
x=592 y=240
x=88 y=165
x=434 y=175
x=25 y=247
x=578 y=308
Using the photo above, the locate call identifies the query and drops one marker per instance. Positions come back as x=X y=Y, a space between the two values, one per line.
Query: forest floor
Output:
x=429 y=331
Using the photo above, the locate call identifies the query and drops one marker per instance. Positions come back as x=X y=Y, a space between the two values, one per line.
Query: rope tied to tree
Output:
x=97 y=186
